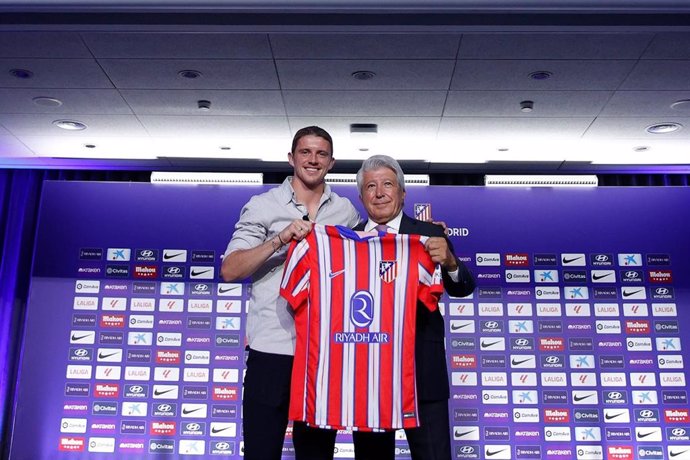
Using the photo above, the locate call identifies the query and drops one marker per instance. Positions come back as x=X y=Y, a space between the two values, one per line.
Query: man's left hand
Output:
x=438 y=249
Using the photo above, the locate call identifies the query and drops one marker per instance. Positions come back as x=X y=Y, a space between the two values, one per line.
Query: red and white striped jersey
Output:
x=355 y=300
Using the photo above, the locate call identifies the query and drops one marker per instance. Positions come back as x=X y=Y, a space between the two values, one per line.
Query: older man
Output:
x=382 y=191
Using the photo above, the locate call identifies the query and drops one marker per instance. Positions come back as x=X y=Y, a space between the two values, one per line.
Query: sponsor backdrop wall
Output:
x=572 y=347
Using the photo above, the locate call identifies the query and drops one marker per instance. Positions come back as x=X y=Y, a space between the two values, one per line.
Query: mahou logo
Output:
x=516 y=260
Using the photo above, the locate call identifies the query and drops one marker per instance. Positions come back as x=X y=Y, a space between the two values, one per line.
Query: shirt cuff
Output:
x=455 y=275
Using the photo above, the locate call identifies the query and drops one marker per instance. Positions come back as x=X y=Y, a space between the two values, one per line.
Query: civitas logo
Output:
x=117 y=271
x=159 y=446
x=488 y=259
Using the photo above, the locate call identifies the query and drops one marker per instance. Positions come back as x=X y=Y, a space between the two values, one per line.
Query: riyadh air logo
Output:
x=422 y=211
x=388 y=270
x=362 y=309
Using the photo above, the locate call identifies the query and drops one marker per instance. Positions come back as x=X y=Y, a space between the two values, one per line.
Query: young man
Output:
x=382 y=190
x=268 y=222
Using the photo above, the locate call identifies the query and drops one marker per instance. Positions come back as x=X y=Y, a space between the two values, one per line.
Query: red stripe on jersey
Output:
x=335 y=374
x=388 y=289
x=360 y=394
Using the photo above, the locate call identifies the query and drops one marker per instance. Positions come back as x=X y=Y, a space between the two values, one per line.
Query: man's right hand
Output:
x=296 y=230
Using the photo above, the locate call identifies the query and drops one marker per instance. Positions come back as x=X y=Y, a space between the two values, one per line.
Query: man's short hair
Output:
x=377 y=162
x=311 y=131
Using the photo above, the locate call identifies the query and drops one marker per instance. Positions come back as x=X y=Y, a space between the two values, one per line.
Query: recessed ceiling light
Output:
x=641 y=148
x=503 y=149
x=364 y=149
x=363 y=75
x=683 y=104
x=47 y=101
x=191 y=74
x=90 y=146
x=70 y=125
x=664 y=128
x=225 y=147
x=21 y=73
x=541 y=75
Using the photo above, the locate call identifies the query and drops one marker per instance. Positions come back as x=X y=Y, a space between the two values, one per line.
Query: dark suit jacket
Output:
x=430 y=355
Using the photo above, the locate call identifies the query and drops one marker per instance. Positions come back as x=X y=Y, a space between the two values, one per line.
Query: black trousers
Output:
x=265 y=413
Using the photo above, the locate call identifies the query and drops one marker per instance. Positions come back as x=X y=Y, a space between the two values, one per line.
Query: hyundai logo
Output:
x=678 y=432
x=193 y=426
x=491 y=324
x=222 y=445
x=164 y=407
x=81 y=352
x=521 y=342
x=601 y=258
x=146 y=253
x=615 y=395
x=136 y=389
x=552 y=359
x=662 y=291
x=201 y=287
x=466 y=450
x=646 y=413
x=631 y=274
x=173 y=270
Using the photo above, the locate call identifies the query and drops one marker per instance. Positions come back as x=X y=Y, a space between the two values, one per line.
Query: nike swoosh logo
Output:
x=567 y=261
x=629 y=293
x=491 y=453
x=102 y=356
x=218 y=430
x=332 y=275
x=223 y=291
x=675 y=454
x=196 y=273
x=598 y=277
x=461 y=434
x=641 y=435
x=517 y=363
x=190 y=411
x=485 y=345
x=167 y=256
x=158 y=392
x=457 y=328
x=581 y=398
x=611 y=417
x=79 y=337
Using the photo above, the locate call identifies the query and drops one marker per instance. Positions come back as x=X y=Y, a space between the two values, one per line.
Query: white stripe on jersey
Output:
x=375 y=250
x=323 y=250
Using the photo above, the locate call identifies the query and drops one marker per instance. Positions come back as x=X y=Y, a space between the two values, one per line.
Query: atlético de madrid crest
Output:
x=388 y=270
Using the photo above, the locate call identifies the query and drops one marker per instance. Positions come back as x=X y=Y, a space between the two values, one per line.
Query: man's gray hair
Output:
x=375 y=162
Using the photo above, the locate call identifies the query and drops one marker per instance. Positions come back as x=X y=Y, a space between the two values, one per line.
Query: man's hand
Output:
x=438 y=249
x=296 y=230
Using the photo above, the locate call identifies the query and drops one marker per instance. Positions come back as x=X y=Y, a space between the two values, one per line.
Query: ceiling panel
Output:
x=10 y=146
x=97 y=125
x=507 y=103
x=659 y=75
x=53 y=73
x=553 y=45
x=515 y=75
x=186 y=102
x=215 y=74
x=389 y=74
x=55 y=45
x=178 y=45
x=227 y=127
x=365 y=46
x=647 y=103
x=634 y=128
x=669 y=45
x=500 y=130
x=364 y=103
x=73 y=101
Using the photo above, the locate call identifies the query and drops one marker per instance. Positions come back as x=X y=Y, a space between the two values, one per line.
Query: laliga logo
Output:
x=362 y=309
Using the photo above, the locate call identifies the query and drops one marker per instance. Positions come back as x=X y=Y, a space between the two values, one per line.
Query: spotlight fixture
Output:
x=503 y=149
x=192 y=178
x=70 y=125
x=22 y=74
x=683 y=104
x=526 y=106
x=363 y=75
x=664 y=128
x=204 y=105
x=90 y=146
x=225 y=147
x=189 y=74
x=641 y=148
x=47 y=101
x=541 y=75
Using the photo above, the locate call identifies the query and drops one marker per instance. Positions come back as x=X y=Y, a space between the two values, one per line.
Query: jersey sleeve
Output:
x=430 y=281
x=294 y=286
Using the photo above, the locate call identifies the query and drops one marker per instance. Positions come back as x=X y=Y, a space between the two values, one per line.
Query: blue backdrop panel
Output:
x=571 y=347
